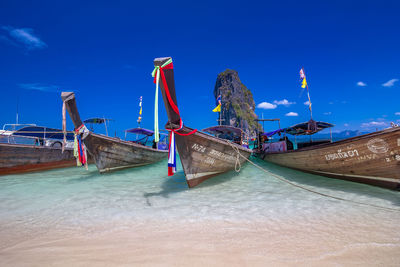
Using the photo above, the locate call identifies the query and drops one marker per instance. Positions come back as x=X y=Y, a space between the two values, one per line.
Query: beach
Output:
x=210 y=243
x=73 y=217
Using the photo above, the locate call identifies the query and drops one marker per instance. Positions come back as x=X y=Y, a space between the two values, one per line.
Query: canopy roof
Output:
x=269 y=134
x=96 y=120
x=304 y=128
x=43 y=132
x=140 y=131
x=143 y=131
x=307 y=128
x=223 y=129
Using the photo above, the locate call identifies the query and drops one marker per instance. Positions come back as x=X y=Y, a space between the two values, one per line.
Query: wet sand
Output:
x=210 y=243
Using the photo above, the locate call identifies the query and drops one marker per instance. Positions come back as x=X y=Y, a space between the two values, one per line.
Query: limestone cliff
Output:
x=237 y=102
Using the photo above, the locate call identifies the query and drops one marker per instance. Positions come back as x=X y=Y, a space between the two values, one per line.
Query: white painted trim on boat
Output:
x=360 y=176
x=198 y=175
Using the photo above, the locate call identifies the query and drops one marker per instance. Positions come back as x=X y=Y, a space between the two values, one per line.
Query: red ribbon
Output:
x=80 y=127
x=170 y=66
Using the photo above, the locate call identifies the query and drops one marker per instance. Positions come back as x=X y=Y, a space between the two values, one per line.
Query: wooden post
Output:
x=308 y=93
x=105 y=124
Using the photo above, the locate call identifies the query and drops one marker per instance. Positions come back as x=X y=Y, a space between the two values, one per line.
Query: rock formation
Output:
x=237 y=102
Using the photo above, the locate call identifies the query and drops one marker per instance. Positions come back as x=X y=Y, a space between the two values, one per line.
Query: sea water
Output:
x=75 y=200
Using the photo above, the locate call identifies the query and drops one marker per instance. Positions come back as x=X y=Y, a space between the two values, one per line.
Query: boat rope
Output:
x=238 y=165
x=303 y=187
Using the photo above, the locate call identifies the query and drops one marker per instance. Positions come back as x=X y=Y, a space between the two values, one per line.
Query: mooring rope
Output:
x=237 y=163
x=303 y=187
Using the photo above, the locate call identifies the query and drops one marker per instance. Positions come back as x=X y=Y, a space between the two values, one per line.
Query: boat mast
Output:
x=105 y=124
x=16 y=119
x=140 y=111
x=308 y=91
x=220 y=122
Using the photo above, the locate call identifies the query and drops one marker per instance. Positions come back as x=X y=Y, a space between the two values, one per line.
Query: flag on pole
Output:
x=218 y=108
x=172 y=155
x=140 y=111
x=302 y=75
x=304 y=83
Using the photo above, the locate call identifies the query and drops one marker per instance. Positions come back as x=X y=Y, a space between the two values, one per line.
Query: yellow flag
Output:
x=140 y=112
x=304 y=83
x=217 y=109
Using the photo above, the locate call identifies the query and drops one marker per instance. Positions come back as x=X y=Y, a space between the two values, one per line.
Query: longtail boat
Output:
x=111 y=153
x=202 y=155
x=33 y=148
x=372 y=158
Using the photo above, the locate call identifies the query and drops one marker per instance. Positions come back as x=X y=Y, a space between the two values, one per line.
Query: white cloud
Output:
x=346 y=125
x=327 y=113
x=374 y=124
x=390 y=83
x=266 y=105
x=284 y=102
x=292 y=114
x=307 y=103
x=39 y=87
x=362 y=84
x=26 y=37
x=397 y=113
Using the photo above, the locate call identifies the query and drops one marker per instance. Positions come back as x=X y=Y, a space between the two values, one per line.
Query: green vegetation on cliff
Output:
x=237 y=102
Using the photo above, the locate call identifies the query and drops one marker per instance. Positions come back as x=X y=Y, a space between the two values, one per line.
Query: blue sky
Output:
x=104 y=52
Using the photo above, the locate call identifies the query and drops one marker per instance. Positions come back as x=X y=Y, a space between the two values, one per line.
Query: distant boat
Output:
x=372 y=158
x=27 y=148
x=111 y=153
x=202 y=155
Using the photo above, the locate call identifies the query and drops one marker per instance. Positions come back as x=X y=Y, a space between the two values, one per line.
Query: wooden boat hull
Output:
x=28 y=158
x=111 y=154
x=204 y=156
x=372 y=159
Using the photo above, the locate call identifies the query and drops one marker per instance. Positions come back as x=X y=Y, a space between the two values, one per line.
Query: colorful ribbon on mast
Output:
x=157 y=73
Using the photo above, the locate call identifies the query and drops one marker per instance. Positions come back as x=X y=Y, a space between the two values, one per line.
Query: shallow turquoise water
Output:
x=74 y=198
